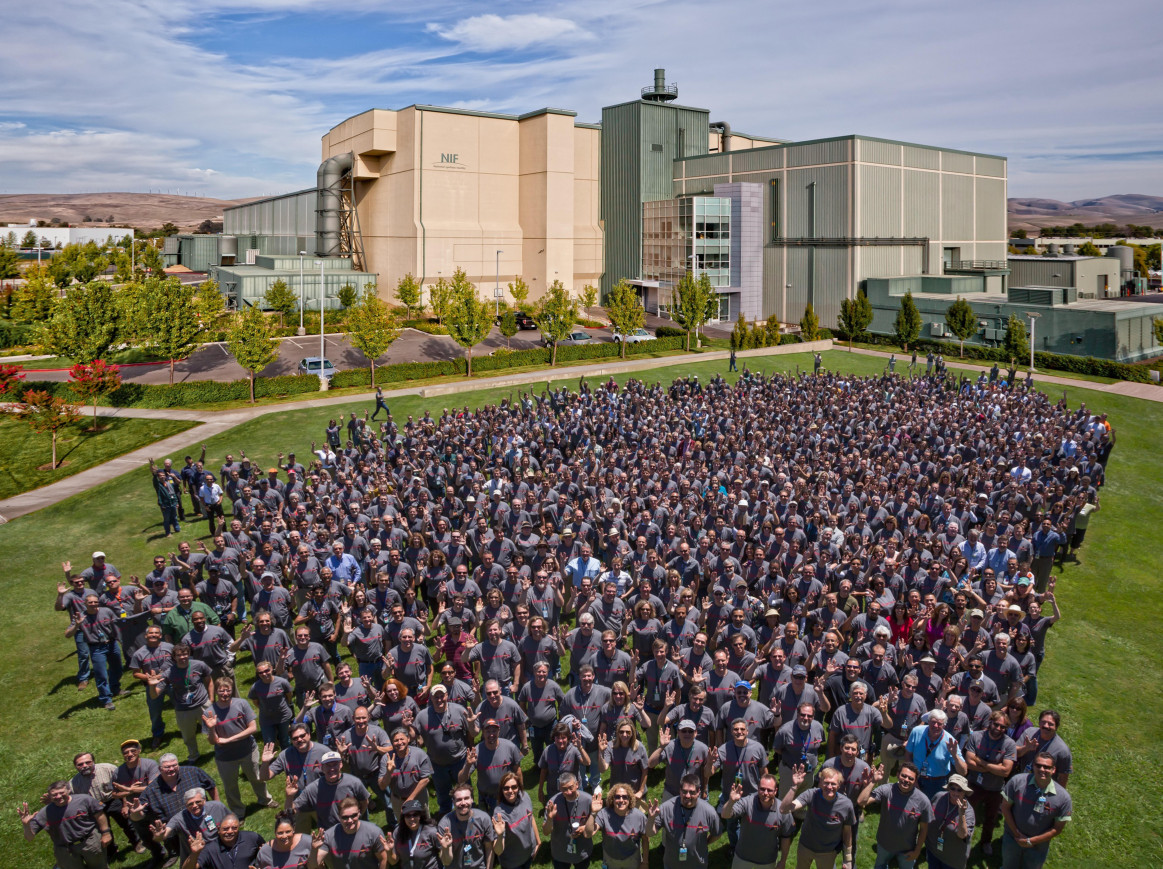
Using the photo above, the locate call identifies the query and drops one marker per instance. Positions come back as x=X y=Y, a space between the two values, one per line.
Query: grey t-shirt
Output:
x=680 y=761
x=363 y=758
x=900 y=817
x=990 y=750
x=494 y=763
x=797 y=746
x=626 y=765
x=323 y=798
x=408 y=772
x=942 y=839
x=187 y=686
x=689 y=830
x=621 y=836
x=744 y=765
x=541 y=704
x=497 y=662
x=233 y=718
x=445 y=737
x=207 y=823
x=847 y=721
x=760 y=829
x=73 y=822
x=520 y=837
x=470 y=839
x=824 y=821
x=305 y=766
x=757 y=716
x=274 y=705
x=564 y=846
x=1036 y=811
x=359 y=850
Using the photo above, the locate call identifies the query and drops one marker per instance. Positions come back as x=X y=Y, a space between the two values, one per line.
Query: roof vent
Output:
x=660 y=92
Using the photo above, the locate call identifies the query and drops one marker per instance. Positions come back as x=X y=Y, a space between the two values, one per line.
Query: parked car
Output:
x=524 y=321
x=635 y=337
x=311 y=365
x=573 y=339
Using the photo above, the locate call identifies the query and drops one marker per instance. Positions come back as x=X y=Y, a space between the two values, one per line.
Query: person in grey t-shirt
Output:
x=829 y=822
x=905 y=814
x=624 y=828
x=764 y=831
x=689 y=825
x=350 y=844
x=569 y=823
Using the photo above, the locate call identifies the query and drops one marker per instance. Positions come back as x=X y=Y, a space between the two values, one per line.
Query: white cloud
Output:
x=496 y=33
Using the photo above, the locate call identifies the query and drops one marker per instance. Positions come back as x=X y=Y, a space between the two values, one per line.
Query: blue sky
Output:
x=229 y=98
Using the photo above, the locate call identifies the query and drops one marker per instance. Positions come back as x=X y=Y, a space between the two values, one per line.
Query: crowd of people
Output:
x=804 y=599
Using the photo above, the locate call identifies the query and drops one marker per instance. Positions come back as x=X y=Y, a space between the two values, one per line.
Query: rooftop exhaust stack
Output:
x=329 y=210
x=660 y=92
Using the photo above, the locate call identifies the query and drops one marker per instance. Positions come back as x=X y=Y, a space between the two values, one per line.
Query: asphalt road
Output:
x=214 y=362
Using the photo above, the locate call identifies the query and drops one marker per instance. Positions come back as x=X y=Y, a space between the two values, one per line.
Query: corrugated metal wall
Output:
x=922 y=213
x=292 y=214
x=819 y=274
x=921 y=158
x=952 y=161
x=831 y=202
x=887 y=153
x=991 y=210
x=957 y=208
x=880 y=200
x=995 y=166
x=621 y=193
x=751 y=161
x=818 y=153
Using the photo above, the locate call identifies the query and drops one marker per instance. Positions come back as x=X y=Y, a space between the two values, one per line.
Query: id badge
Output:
x=682 y=853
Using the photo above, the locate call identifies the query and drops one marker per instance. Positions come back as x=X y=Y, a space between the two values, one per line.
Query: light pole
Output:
x=132 y=256
x=322 y=291
x=497 y=291
x=302 y=328
x=1033 y=315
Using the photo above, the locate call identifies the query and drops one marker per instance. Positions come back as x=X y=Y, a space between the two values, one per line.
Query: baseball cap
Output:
x=799 y=670
x=771 y=612
x=439 y=689
x=1025 y=580
x=98 y=554
x=742 y=502
x=130 y=743
x=331 y=757
x=740 y=583
x=492 y=722
x=928 y=659
x=977 y=683
x=743 y=683
x=976 y=612
x=455 y=622
x=686 y=724
x=412 y=806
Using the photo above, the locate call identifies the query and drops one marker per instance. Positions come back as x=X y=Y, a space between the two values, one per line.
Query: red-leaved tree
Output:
x=47 y=414
x=92 y=381
x=10 y=375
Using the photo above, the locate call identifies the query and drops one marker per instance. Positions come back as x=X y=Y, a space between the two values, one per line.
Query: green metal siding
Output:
x=871 y=151
x=818 y=153
x=954 y=161
x=921 y=158
x=995 y=166
x=750 y=161
x=991 y=211
x=831 y=203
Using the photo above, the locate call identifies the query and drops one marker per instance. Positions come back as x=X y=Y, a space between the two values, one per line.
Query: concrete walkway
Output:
x=216 y=422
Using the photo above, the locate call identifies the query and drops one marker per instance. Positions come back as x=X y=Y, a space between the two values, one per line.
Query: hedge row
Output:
x=1049 y=361
x=501 y=361
x=152 y=396
x=16 y=334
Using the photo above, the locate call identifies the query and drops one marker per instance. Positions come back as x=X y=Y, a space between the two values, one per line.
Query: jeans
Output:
x=155 y=705
x=1014 y=856
x=279 y=732
x=84 y=661
x=592 y=774
x=732 y=825
x=934 y=861
x=1032 y=690
x=931 y=786
x=444 y=780
x=884 y=859
x=170 y=519
x=539 y=738
x=374 y=671
x=107 y=668
x=381 y=406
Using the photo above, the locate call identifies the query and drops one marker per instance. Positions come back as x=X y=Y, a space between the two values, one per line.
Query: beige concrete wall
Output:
x=439 y=190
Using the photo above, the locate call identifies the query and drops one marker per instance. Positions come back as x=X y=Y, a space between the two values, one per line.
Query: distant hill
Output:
x=1033 y=214
x=143 y=210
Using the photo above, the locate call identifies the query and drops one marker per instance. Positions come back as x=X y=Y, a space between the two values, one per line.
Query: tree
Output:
x=439 y=299
x=855 y=316
x=625 y=311
x=771 y=330
x=46 y=413
x=281 y=300
x=906 y=328
x=739 y=333
x=30 y=239
x=150 y=260
x=347 y=296
x=10 y=375
x=90 y=382
x=250 y=343
x=961 y=320
x=371 y=328
x=172 y=314
x=469 y=320
x=1018 y=233
x=810 y=324
x=86 y=323
x=169 y=229
x=589 y=296
x=509 y=327
x=556 y=316
x=1015 y=345
x=693 y=304
x=410 y=294
x=35 y=301
x=209 y=305
x=1089 y=248
x=1157 y=323
x=9 y=263
x=519 y=290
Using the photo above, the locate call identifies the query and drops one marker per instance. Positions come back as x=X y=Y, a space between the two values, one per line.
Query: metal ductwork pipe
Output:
x=329 y=209
x=724 y=135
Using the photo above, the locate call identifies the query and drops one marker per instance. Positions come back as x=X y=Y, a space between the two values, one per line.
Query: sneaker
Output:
x=274 y=804
x=155 y=743
x=81 y=686
x=110 y=706
x=193 y=759
x=140 y=848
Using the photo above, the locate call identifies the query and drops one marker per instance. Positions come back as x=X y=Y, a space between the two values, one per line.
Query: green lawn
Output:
x=24 y=451
x=1110 y=605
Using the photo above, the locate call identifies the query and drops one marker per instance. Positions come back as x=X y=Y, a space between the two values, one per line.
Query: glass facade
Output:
x=692 y=233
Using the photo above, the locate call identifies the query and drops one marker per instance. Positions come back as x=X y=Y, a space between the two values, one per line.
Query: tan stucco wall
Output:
x=439 y=190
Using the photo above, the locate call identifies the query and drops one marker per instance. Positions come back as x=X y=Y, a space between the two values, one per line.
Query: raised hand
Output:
x=671 y=698
x=445 y=837
x=736 y=792
x=664 y=738
x=471 y=756
x=603 y=742
x=309 y=700
x=342 y=745
x=798 y=776
x=157 y=829
x=697 y=675
x=878 y=773
x=499 y=826
x=317 y=838
x=268 y=752
x=596 y=803
x=551 y=810
x=24 y=813
x=292 y=786
x=653 y=808
x=196 y=843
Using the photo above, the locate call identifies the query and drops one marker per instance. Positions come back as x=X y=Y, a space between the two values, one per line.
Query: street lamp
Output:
x=497 y=291
x=1033 y=315
x=302 y=328
x=322 y=292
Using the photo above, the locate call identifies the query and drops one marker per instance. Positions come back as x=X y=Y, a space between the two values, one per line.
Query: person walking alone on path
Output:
x=382 y=405
x=732 y=366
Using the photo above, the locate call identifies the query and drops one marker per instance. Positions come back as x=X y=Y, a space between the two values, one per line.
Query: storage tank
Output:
x=1068 y=250
x=1053 y=250
x=1124 y=254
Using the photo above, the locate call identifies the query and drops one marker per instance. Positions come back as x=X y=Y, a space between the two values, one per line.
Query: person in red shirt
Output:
x=454 y=646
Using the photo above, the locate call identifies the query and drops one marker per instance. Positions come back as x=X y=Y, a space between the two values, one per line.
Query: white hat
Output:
x=98 y=554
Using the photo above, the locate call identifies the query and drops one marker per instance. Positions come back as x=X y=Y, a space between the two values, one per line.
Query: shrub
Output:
x=16 y=334
x=185 y=394
x=429 y=327
x=669 y=332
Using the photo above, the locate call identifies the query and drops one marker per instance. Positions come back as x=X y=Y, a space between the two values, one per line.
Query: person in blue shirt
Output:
x=935 y=753
x=343 y=565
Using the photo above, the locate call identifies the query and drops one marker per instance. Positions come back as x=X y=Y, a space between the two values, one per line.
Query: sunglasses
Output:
x=354 y=817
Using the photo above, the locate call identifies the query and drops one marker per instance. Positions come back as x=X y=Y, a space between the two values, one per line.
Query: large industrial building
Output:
x=655 y=189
